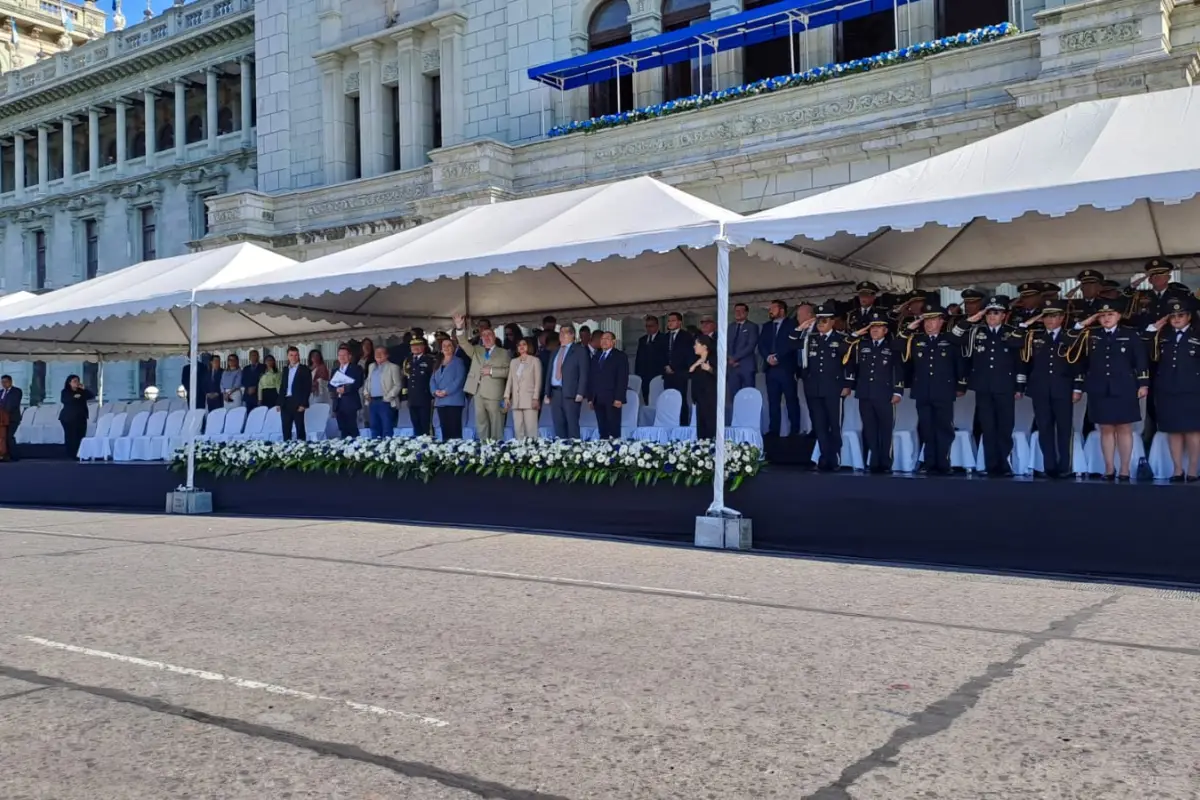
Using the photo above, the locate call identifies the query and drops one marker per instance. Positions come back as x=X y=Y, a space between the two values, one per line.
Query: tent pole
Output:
x=791 y=46
x=100 y=379
x=700 y=53
x=542 y=98
x=718 y=504
x=192 y=376
x=896 y=23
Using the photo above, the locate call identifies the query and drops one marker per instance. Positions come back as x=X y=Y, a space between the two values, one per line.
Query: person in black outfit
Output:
x=10 y=401
x=996 y=377
x=203 y=379
x=877 y=373
x=938 y=378
x=650 y=359
x=823 y=374
x=295 y=386
x=347 y=399
x=677 y=359
x=74 y=413
x=703 y=372
x=416 y=372
x=607 y=384
x=1053 y=385
x=213 y=399
x=1176 y=394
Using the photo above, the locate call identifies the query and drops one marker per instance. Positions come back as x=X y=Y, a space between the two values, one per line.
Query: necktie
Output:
x=558 y=364
x=604 y=355
x=671 y=343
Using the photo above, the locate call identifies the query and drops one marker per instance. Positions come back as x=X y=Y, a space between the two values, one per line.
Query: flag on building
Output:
x=67 y=20
x=16 y=39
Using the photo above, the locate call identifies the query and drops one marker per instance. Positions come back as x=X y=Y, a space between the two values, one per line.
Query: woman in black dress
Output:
x=74 y=413
x=704 y=386
x=1177 y=386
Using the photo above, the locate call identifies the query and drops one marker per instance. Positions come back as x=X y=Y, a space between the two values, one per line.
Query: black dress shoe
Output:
x=1109 y=478
x=1123 y=479
x=1178 y=479
x=1193 y=478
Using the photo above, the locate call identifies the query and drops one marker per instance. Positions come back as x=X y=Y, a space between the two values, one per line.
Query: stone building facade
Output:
x=108 y=152
x=32 y=31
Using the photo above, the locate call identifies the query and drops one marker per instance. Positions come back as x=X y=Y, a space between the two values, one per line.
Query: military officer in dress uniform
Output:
x=878 y=377
x=1090 y=284
x=826 y=382
x=1176 y=354
x=937 y=380
x=996 y=378
x=1028 y=303
x=1116 y=376
x=1053 y=384
x=1153 y=302
x=418 y=368
x=862 y=307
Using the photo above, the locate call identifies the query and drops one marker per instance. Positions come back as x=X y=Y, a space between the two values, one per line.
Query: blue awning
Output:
x=761 y=24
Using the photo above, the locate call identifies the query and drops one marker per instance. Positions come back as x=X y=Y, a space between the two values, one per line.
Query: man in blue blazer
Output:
x=742 y=343
x=566 y=383
x=347 y=399
x=608 y=384
x=779 y=362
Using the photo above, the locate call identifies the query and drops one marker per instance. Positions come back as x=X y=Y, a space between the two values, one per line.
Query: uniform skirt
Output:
x=1178 y=412
x=1116 y=410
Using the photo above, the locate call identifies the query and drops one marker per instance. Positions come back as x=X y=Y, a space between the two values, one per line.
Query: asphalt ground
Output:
x=165 y=657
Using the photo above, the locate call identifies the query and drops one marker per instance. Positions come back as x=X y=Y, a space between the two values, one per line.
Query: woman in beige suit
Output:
x=522 y=391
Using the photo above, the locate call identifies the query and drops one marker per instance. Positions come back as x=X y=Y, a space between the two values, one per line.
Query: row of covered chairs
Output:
x=40 y=424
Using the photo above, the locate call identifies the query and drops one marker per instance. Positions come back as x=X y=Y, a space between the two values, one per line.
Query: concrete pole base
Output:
x=182 y=501
x=724 y=533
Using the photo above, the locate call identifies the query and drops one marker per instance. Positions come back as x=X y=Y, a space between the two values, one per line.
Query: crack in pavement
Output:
x=350 y=752
x=941 y=714
x=439 y=544
x=23 y=693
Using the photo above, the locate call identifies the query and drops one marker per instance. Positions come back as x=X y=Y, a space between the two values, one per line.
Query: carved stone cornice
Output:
x=141 y=193
x=86 y=206
x=205 y=174
x=1105 y=36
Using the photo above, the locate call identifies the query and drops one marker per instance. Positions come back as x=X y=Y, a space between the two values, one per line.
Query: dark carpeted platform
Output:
x=1140 y=532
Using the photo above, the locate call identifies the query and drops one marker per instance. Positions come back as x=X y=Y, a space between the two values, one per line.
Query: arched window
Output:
x=166 y=137
x=683 y=78
x=137 y=148
x=195 y=129
x=224 y=121
x=609 y=27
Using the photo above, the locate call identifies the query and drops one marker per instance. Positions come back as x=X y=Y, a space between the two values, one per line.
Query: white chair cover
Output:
x=272 y=429
x=629 y=413
x=254 y=424
x=666 y=417
x=122 y=447
x=171 y=429
x=143 y=448
x=635 y=385
x=852 y=452
x=589 y=428
x=235 y=419
x=90 y=447
x=746 y=424
x=315 y=418
x=404 y=423
x=546 y=422
x=214 y=425
x=646 y=415
x=962 y=450
x=193 y=422
x=904 y=436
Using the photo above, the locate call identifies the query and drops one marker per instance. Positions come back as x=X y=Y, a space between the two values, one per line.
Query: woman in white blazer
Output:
x=523 y=390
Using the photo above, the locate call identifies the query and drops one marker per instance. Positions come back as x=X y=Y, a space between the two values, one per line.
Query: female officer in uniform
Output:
x=1177 y=385
x=1116 y=372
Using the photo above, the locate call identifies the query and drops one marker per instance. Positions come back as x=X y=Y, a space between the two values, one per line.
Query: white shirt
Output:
x=291 y=377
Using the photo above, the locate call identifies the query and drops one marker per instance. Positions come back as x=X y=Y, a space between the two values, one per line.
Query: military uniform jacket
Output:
x=1114 y=364
x=995 y=366
x=417 y=372
x=877 y=369
x=1178 y=362
x=1153 y=306
x=938 y=373
x=1048 y=372
x=1020 y=315
x=825 y=375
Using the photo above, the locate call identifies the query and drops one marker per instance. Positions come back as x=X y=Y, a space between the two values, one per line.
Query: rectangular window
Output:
x=866 y=36
x=91 y=376
x=91 y=249
x=356 y=133
x=149 y=234
x=39 y=260
x=435 y=108
x=37 y=386
x=8 y=174
x=959 y=16
x=393 y=102
x=147 y=375
x=202 y=214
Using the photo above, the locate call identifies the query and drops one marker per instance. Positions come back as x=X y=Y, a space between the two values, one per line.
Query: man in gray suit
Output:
x=567 y=383
x=742 y=341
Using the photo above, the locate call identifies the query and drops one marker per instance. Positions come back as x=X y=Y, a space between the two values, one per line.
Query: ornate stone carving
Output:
x=391 y=72
x=431 y=60
x=351 y=82
x=462 y=169
x=225 y=216
x=1099 y=37
x=400 y=194
x=792 y=119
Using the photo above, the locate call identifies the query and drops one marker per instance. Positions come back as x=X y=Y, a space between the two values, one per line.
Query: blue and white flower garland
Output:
x=816 y=75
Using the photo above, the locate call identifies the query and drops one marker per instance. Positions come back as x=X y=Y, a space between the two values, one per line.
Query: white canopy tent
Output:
x=1106 y=183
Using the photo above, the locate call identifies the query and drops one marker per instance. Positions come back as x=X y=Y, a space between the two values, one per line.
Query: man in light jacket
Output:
x=567 y=383
x=382 y=394
x=486 y=380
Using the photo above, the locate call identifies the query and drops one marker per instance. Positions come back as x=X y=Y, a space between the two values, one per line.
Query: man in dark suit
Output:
x=10 y=401
x=347 y=399
x=566 y=383
x=293 y=395
x=779 y=362
x=679 y=358
x=742 y=342
x=203 y=380
x=608 y=384
x=651 y=356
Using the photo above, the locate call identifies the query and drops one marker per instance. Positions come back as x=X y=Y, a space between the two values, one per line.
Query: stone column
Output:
x=94 y=144
x=180 y=121
x=729 y=63
x=333 y=113
x=647 y=85
x=19 y=163
x=210 y=115
x=410 y=91
x=450 y=43
x=370 y=109
x=247 y=109
x=122 y=133
x=43 y=139
x=151 y=121
x=68 y=134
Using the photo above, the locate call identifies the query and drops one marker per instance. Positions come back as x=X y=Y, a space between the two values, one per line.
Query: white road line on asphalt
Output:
x=244 y=683
x=596 y=584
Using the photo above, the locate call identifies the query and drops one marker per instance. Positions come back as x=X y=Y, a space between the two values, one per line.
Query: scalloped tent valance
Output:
x=1106 y=182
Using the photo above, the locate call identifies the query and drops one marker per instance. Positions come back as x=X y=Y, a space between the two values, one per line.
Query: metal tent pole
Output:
x=791 y=46
x=542 y=113
x=193 y=356
x=100 y=379
x=718 y=504
x=896 y=24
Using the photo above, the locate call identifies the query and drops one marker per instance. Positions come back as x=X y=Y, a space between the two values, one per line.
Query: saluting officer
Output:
x=1053 y=384
x=972 y=303
x=937 y=379
x=1028 y=304
x=824 y=374
x=418 y=368
x=878 y=376
x=1176 y=354
x=1090 y=284
x=868 y=299
x=1116 y=375
x=996 y=378
x=1153 y=305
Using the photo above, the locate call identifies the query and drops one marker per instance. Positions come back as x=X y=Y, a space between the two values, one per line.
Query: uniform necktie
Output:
x=558 y=364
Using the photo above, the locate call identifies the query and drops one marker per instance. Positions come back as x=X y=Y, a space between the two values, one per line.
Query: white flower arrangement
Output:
x=536 y=460
x=815 y=75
